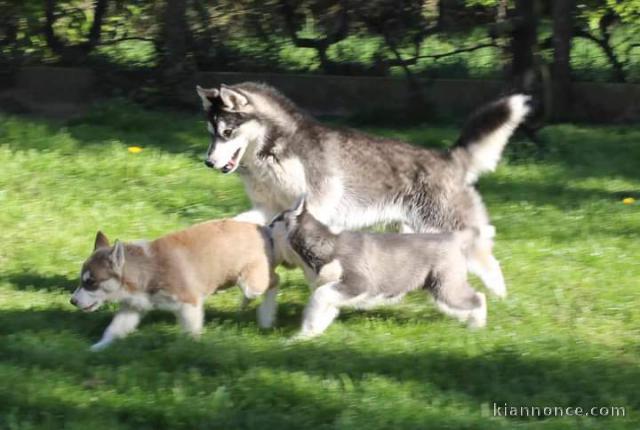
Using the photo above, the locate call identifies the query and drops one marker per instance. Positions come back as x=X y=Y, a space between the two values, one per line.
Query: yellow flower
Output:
x=629 y=201
x=134 y=149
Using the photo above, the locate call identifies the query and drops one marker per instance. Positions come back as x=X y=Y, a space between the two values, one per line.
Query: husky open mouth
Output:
x=233 y=163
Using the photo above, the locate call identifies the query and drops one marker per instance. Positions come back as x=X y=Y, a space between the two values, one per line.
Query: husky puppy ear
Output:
x=208 y=95
x=101 y=241
x=300 y=206
x=117 y=256
x=232 y=99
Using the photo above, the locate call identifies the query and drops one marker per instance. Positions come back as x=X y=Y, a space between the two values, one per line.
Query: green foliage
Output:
x=567 y=335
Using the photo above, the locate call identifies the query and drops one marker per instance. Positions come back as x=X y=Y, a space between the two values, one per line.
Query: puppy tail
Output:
x=487 y=132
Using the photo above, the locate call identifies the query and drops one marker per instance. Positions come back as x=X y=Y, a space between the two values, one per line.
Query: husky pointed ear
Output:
x=101 y=241
x=233 y=99
x=208 y=95
x=300 y=206
x=117 y=255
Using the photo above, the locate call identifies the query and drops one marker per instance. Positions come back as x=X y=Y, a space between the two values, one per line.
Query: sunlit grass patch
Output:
x=567 y=335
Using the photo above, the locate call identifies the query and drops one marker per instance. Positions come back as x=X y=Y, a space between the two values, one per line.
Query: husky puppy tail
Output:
x=487 y=132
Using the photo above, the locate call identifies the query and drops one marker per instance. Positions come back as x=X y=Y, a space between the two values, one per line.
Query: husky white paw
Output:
x=96 y=347
x=487 y=231
x=495 y=283
x=520 y=107
x=266 y=317
x=478 y=316
x=302 y=336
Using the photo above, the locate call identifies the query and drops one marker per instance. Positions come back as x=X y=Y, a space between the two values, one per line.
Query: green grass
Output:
x=568 y=334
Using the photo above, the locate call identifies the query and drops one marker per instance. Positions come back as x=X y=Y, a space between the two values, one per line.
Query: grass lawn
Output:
x=568 y=335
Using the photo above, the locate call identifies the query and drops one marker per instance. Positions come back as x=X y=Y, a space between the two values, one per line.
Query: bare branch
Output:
x=414 y=60
x=125 y=39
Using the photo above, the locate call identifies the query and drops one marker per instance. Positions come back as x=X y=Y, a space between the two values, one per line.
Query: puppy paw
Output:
x=478 y=316
x=96 y=347
x=302 y=337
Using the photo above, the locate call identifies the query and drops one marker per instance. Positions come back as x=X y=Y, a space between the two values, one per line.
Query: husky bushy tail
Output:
x=487 y=132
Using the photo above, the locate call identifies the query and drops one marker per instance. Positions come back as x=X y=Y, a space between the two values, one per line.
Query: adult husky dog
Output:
x=352 y=180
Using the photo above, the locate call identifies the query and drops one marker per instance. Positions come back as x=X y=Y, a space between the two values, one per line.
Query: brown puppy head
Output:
x=101 y=275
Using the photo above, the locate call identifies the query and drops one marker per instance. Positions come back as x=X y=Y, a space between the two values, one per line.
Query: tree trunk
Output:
x=174 y=65
x=561 y=70
x=174 y=34
x=523 y=44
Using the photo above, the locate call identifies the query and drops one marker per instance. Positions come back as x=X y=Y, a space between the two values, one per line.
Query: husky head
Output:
x=235 y=124
x=101 y=275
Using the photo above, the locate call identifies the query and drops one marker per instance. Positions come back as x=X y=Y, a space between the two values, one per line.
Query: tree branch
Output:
x=414 y=60
x=125 y=39
x=605 y=46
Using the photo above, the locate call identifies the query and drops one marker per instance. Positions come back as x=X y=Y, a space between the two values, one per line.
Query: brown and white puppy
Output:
x=177 y=272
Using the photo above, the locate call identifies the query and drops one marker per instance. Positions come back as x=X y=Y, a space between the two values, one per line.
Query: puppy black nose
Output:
x=73 y=301
x=208 y=163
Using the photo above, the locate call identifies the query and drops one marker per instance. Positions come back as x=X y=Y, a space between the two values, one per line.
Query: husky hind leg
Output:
x=456 y=298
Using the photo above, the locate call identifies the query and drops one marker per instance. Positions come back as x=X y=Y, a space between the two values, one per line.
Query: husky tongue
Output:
x=232 y=163
x=229 y=166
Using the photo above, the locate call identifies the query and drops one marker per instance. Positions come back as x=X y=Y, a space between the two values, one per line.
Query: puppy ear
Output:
x=300 y=206
x=101 y=241
x=208 y=95
x=117 y=255
x=233 y=99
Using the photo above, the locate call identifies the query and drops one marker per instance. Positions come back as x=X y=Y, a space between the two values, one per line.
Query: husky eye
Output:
x=90 y=284
x=226 y=133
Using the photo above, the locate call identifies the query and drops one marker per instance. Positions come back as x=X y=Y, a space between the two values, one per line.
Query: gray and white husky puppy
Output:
x=352 y=180
x=356 y=269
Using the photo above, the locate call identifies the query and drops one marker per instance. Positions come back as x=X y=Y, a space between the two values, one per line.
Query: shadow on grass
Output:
x=498 y=375
x=38 y=281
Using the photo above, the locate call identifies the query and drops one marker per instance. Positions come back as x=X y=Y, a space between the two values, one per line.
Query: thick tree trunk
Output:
x=523 y=45
x=563 y=11
x=175 y=69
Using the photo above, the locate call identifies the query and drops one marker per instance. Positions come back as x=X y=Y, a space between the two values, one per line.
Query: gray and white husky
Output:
x=352 y=180
x=361 y=270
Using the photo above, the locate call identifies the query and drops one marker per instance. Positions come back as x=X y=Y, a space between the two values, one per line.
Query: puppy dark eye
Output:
x=226 y=133
x=90 y=284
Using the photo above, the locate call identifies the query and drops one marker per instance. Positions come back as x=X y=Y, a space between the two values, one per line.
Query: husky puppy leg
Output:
x=268 y=308
x=255 y=281
x=191 y=318
x=457 y=299
x=123 y=323
x=483 y=264
x=322 y=309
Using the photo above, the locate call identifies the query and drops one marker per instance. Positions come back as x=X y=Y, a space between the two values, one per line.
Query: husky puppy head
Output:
x=101 y=275
x=300 y=239
x=234 y=125
x=282 y=226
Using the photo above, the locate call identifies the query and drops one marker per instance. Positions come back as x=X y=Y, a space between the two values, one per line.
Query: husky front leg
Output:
x=191 y=318
x=123 y=323
x=322 y=309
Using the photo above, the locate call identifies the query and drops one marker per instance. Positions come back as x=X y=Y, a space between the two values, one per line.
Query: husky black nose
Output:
x=73 y=301
x=208 y=163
